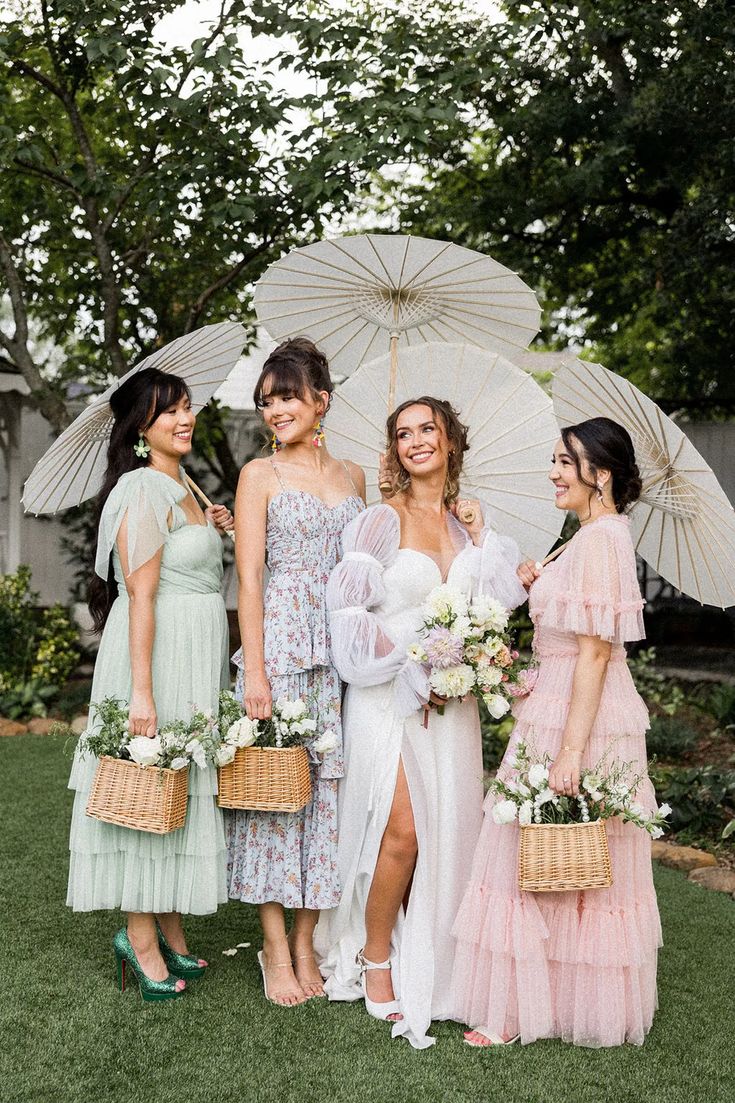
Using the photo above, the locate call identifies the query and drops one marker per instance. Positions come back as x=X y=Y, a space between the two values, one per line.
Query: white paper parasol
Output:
x=73 y=467
x=352 y=295
x=683 y=525
x=512 y=430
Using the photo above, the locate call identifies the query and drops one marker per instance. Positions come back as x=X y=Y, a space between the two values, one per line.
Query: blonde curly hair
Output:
x=456 y=435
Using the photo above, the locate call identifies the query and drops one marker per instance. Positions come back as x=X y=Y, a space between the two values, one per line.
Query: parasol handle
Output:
x=203 y=498
x=393 y=372
x=552 y=556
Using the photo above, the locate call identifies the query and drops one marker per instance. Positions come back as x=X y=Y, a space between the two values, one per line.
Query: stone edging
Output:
x=700 y=866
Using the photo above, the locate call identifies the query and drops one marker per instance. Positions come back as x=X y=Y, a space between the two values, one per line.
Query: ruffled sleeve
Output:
x=146 y=498
x=362 y=650
x=493 y=564
x=596 y=592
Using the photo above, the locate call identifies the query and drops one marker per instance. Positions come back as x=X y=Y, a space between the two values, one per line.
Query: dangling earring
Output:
x=142 y=448
x=318 y=439
x=599 y=494
x=276 y=444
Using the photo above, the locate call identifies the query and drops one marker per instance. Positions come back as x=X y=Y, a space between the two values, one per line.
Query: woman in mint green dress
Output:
x=156 y=597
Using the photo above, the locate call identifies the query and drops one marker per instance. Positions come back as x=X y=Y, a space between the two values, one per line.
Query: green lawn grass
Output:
x=67 y=1034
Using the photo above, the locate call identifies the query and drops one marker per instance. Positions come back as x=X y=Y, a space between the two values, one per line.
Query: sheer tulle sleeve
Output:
x=363 y=651
x=597 y=593
x=493 y=565
x=145 y=498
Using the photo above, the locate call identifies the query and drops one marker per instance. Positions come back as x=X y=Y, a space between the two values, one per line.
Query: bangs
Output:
x=170 y=389
x=279 y=380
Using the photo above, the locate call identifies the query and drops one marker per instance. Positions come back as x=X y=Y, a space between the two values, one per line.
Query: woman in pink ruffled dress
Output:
x=580 y=966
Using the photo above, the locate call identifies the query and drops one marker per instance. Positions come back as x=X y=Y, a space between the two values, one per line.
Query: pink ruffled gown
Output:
x=580 y=966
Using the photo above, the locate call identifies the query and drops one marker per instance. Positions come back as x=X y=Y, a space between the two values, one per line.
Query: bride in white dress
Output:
x=410 y=806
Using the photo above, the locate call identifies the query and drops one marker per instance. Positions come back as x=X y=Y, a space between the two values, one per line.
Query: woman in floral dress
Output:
x=580 y=966
x=291 y=509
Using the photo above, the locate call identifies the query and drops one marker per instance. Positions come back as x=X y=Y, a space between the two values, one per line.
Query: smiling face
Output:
x=170 y=434
x=290 y=416
x=571 y=491
x=422 y=444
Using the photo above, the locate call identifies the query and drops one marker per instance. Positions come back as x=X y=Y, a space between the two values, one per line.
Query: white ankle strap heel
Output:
x=377 y=1010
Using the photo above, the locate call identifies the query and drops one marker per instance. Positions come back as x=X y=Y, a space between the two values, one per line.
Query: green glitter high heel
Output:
x=181 y=965
x=150 y=990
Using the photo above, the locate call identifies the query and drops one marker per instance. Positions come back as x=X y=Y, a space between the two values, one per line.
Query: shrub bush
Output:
x=670 y=737
x=702 y=798
x=38 y=649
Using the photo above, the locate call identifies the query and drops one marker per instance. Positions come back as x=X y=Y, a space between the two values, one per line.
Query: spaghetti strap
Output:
x=349 y=476
x=275 y=467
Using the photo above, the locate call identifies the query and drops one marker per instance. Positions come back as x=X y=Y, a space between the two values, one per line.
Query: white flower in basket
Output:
x=225 y=754
x=179 y=763
x=504 y=811
x=326 y=743
x=538 y=775
x=145 y=751
x=243 y=733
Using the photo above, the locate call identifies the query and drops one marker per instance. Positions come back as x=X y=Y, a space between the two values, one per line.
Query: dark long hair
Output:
x=135 y=406
x=608 y=446
x=444 y=412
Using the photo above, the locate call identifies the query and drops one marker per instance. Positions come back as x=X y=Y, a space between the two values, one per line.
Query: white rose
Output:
x=326 y=742
x=538 y=775
x=497 y=706
x=144 y=751
x=179 y=763
x=504 y=811
x=197 y=752
x=243 y=733
x=224 y=754
x=525 y=813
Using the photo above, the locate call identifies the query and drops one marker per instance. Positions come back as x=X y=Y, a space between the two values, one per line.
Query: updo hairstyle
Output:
x=456 y=435
x=606 y=446
x=296 y=367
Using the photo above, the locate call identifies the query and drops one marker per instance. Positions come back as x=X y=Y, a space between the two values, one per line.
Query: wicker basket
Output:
x=559 y=857
x=142 y=797
x=266 y=779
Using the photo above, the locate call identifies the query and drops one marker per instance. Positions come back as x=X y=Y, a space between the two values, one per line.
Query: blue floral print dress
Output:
x=291 y=857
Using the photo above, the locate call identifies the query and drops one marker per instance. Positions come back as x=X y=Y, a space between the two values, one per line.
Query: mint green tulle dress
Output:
x=117 y=867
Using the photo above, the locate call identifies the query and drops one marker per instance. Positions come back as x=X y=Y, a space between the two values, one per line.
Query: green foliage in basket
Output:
x=37 y=648
x=175 y=745
x=660 y=693
x=702 y=798
x=670 y=737
x=605 y=791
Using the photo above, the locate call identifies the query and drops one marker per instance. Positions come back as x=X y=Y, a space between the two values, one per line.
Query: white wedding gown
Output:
x=375 y=596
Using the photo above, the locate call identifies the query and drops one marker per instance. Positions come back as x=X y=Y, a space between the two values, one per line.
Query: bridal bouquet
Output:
x=467 y=648
x=174 y=746
x=604 y=792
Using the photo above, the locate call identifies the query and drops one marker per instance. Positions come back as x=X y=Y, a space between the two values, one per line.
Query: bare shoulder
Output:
x=255 y=476
x=357 y=475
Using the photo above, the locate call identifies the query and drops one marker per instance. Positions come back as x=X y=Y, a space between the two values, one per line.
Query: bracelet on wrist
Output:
x=574 y=750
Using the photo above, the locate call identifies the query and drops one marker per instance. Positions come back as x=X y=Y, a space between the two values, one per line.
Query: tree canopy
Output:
x=594 y=152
